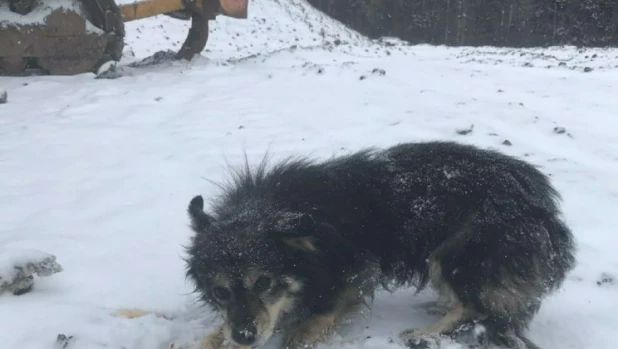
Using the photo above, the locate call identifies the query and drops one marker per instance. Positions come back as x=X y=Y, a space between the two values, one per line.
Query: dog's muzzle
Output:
x=244 y=335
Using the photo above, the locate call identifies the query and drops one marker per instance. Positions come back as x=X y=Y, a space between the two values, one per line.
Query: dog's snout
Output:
x=244 y=335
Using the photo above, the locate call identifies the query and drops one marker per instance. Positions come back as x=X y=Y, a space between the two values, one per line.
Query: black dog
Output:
x=300 y=245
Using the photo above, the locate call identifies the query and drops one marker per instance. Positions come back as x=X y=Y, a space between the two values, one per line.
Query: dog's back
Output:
x=403 y=202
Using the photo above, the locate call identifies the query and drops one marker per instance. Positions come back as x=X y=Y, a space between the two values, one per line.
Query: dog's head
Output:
x=242 y=267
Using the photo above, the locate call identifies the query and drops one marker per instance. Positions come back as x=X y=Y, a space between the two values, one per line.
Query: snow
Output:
x=99 y=172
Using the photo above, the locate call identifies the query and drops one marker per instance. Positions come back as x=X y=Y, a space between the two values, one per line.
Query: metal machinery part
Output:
x=81 y=35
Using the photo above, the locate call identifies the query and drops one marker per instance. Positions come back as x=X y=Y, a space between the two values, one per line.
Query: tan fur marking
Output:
x=511 y=298
x=304 y=243
x=456 y=310
x=317 y=329
x=221 y=280
x=293 y=284
x=321 y=328
x=276 y=309
x=250 y=277
x=446 y=294
x=447 y=323
x=214 y=340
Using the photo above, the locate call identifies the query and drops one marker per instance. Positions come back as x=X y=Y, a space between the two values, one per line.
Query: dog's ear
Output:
x=199 y=219
x=297 y=231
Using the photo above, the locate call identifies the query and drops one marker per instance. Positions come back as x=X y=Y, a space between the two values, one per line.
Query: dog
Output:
x=300 y=245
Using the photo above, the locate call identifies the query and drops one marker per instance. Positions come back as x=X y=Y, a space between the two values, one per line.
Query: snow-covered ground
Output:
x=98 y=172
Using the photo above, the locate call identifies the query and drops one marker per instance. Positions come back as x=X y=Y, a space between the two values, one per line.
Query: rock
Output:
x=605 y=279
x=105 y=67
x=464 y=132
x=18 y=267
x=3 y=97
x=63 y=342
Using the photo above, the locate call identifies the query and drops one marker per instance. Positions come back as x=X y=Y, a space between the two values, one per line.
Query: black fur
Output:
x=491 y=221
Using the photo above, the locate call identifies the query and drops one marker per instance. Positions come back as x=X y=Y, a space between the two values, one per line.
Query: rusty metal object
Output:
x=81 y=38
x=234 y=8
x=180 y=14
x=105 y=14
x=62 y=46
x=229 y=8
x=11 y=65
x=182 y=8
x=201 y=12
x=149 y=8
x=66 y=41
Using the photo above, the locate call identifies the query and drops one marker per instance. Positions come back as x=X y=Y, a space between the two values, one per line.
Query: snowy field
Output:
x=98 y=172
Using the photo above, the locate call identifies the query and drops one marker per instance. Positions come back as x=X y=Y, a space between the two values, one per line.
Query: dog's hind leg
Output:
x=456 y=312
x=453 y=318
x=498 y=275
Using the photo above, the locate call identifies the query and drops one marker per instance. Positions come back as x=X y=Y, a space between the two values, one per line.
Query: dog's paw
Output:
x=472 y=334
x=415 y=339
x=313 y=331
x=214 y=340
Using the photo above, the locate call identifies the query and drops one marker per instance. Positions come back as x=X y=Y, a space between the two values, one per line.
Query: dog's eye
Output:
x=262 y=283
x=221 y=293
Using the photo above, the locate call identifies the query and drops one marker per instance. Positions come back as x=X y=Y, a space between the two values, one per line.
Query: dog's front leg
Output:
x=213 y=340
x=316 y=329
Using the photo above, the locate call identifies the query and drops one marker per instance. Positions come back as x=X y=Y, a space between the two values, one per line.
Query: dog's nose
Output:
x=244 y=335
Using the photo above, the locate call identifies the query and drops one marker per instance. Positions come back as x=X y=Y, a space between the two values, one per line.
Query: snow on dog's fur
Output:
x=304 y=243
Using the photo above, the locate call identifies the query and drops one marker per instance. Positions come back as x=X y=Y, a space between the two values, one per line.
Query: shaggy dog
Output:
x=299 y=246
